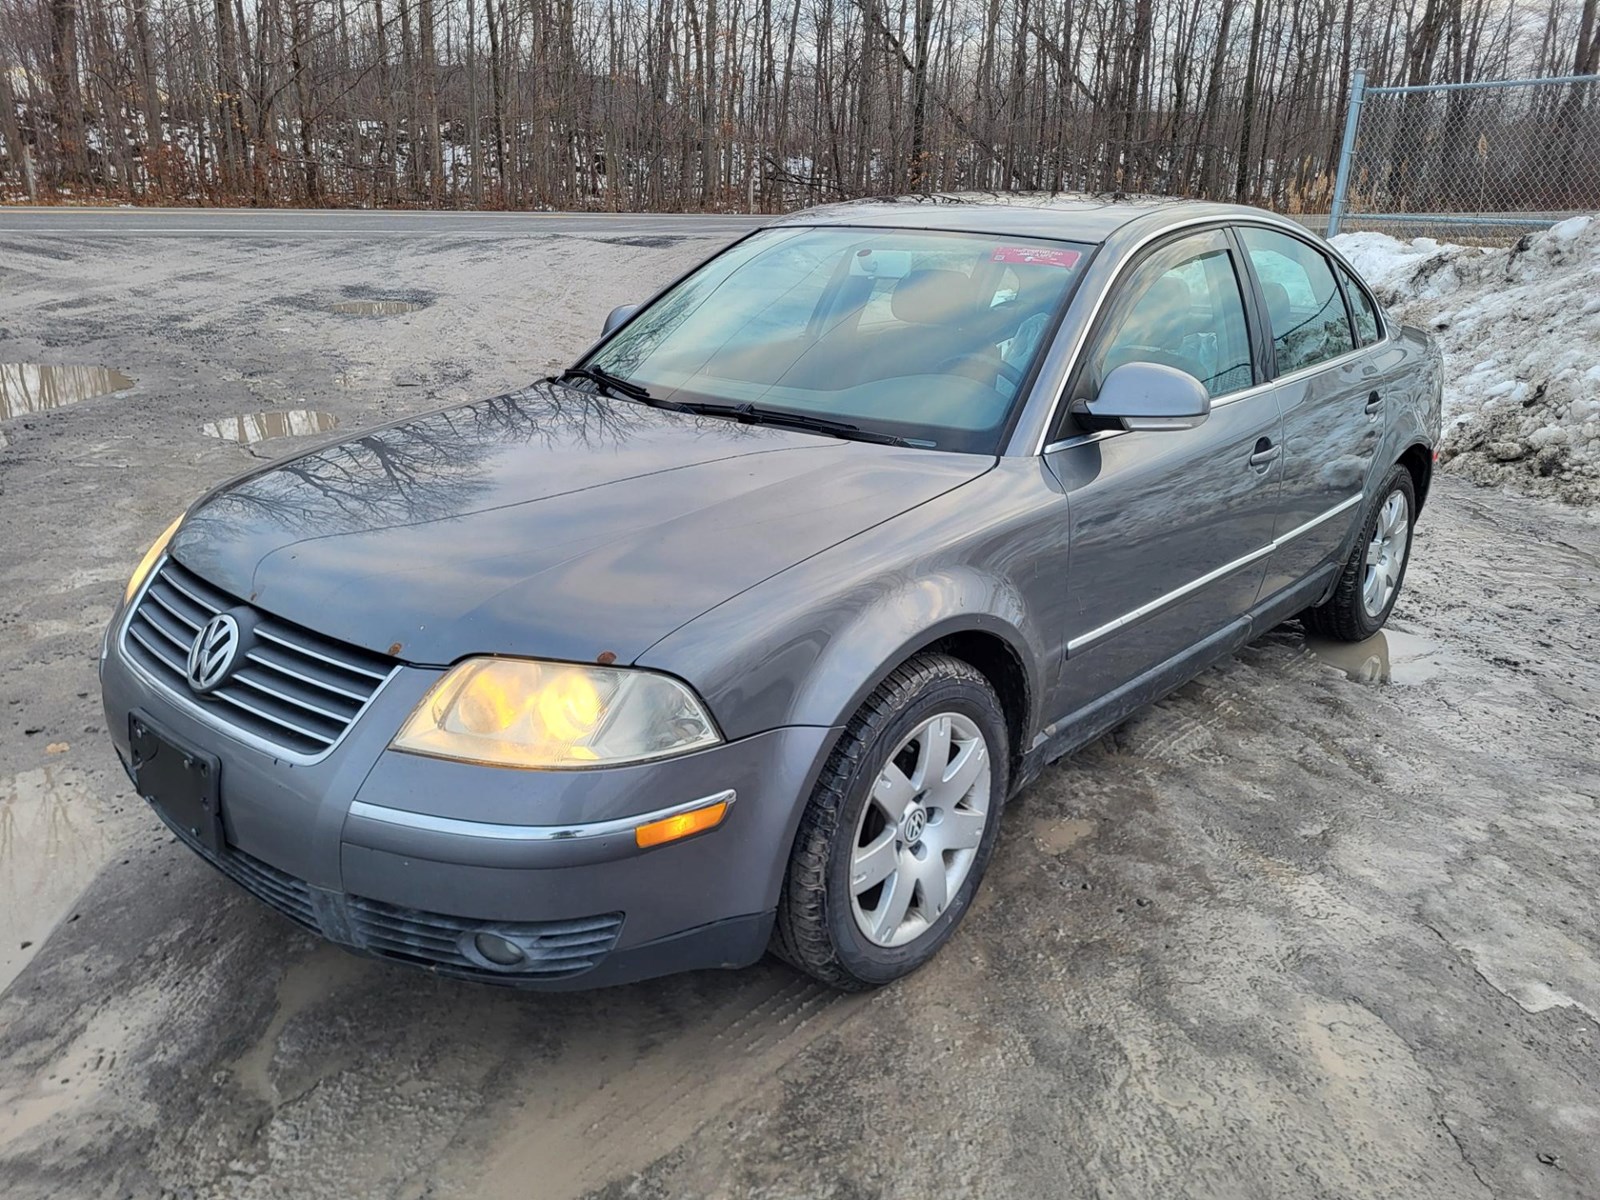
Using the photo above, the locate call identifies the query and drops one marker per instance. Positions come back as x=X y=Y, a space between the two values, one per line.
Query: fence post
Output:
x=1352 y=122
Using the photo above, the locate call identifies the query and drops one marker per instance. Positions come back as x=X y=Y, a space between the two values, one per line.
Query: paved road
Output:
x=300 y=223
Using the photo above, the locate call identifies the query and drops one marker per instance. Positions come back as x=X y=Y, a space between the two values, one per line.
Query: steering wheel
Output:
x=987 y=368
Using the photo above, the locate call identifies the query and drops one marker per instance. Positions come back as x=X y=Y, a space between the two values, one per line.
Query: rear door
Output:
x=1170 y=530
x=1329 y=384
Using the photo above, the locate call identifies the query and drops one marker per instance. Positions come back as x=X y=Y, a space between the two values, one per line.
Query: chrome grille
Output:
x=295 y=690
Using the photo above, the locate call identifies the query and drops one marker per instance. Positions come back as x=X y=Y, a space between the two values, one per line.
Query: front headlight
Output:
x=150 y=557
x=516 y=712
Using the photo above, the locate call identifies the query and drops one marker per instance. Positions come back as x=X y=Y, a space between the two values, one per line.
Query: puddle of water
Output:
x=50 y=848
x=306 y=983
x=1057 y=837
x=35 y=387
x=1389 y=656
x=251 y=428
x=373 y=308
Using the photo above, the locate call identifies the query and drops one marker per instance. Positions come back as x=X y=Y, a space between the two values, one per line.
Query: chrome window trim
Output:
x=210 y=719
x=491 y=831
x=1080 y=338
x=1254 y=389
x=1083 y=439
x=1144 y=610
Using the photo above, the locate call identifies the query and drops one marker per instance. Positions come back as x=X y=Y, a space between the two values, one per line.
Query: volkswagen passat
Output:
x=741 y=632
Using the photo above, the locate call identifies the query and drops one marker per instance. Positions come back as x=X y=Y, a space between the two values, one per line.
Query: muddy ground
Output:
x=1322 y=923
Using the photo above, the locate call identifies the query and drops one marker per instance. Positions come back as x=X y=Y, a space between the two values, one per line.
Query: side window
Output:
x=1307 y=313
x=1181 y=307
x=1366 y=314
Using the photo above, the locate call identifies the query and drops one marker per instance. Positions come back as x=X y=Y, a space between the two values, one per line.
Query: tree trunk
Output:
x=1241 y=182
x=72 y=150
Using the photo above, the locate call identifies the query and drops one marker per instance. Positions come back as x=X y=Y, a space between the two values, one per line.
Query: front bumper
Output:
x=410 y=858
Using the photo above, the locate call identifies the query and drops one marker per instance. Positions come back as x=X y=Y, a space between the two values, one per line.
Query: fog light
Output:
x=497 y=950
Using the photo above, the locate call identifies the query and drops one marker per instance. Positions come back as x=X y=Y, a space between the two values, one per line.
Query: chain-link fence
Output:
x=1470 y=160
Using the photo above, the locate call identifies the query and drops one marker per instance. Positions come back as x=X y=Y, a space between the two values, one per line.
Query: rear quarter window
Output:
x=1304 y=303
x=1362 y=308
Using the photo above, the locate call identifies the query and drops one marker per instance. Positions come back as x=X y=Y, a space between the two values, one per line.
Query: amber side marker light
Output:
x=682 y=825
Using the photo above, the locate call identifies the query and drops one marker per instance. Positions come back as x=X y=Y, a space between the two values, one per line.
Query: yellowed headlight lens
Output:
x=569 y=706
x=523 y=713
x=149 y=559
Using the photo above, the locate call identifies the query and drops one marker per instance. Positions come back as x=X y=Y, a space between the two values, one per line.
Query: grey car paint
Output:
x=548 y=523
x=992 y=557
x=782 y=575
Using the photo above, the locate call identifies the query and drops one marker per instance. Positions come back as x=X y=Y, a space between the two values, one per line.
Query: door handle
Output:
x=1374 y=402
x=1265 y=453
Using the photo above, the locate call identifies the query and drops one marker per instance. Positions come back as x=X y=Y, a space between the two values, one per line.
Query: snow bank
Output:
x=1520 y=330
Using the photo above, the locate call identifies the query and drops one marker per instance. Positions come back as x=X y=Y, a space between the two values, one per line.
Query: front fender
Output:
x=807 y=646
x=930 y=610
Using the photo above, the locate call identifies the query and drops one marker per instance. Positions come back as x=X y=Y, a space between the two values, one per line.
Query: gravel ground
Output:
x=1322 y=923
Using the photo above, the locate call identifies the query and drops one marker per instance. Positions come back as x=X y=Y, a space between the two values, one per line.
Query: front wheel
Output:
x=898 y=832
x=1370 y=581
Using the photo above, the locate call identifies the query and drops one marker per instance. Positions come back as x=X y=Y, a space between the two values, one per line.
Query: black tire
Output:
x=816 y=928
x=1344 y=616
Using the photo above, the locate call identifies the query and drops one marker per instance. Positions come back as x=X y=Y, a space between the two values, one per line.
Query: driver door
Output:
x=1170 y=531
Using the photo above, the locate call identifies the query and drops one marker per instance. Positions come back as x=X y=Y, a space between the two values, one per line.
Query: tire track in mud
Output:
x=599 y=1130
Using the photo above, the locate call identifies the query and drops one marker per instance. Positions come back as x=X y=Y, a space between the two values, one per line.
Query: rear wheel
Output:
x=1370 y=581
x=897 y=834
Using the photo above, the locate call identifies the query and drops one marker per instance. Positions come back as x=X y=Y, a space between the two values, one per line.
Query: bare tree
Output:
x=717 y=104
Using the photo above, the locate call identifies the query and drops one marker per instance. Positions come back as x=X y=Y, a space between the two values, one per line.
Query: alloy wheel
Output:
x=919 y=831
x=1386 y=554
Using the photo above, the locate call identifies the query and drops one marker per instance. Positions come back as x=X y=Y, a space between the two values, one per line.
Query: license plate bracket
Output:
x=179 y=782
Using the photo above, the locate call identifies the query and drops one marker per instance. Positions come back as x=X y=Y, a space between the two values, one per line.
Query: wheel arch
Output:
x=1417 y=458
x=992 y=646
x=1001 y=664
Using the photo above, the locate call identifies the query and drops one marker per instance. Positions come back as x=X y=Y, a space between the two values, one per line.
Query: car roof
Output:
x=1076 y=217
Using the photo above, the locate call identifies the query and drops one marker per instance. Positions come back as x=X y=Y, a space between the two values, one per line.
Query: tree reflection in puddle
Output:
x=251 y=428
x=37 y=387
x=51 y=845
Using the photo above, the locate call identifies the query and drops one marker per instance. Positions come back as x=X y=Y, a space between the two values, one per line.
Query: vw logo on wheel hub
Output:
x=916 y=821
x=213 y=652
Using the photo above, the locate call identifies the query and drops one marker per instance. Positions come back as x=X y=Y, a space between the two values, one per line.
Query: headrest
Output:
x=1278 y=306
x=1164 y=314
x=932 y=296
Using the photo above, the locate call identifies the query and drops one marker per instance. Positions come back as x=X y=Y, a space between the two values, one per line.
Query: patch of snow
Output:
x=1520 y=331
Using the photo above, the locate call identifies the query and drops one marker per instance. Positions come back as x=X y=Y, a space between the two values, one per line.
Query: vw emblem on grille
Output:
x=212 y=654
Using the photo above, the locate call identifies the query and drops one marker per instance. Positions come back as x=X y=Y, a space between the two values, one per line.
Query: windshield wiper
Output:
x=749 y=414
x=603 y=378
x=752 y=415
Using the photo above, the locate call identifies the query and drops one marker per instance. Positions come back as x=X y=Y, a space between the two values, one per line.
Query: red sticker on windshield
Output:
x=1036 y=256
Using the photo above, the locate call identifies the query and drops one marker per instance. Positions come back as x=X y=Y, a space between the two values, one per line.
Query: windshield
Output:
x=918 y=335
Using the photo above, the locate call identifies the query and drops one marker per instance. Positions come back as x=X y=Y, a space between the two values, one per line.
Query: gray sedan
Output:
x=738 y=634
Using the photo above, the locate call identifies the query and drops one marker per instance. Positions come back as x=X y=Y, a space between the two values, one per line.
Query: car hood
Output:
x=549 y=522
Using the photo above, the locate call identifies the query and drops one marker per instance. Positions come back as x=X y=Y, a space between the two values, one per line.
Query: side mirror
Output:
x=617 y=316
x=1151 y=396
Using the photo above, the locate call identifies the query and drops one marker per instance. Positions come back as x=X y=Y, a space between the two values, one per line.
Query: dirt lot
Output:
x=1323 y=923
